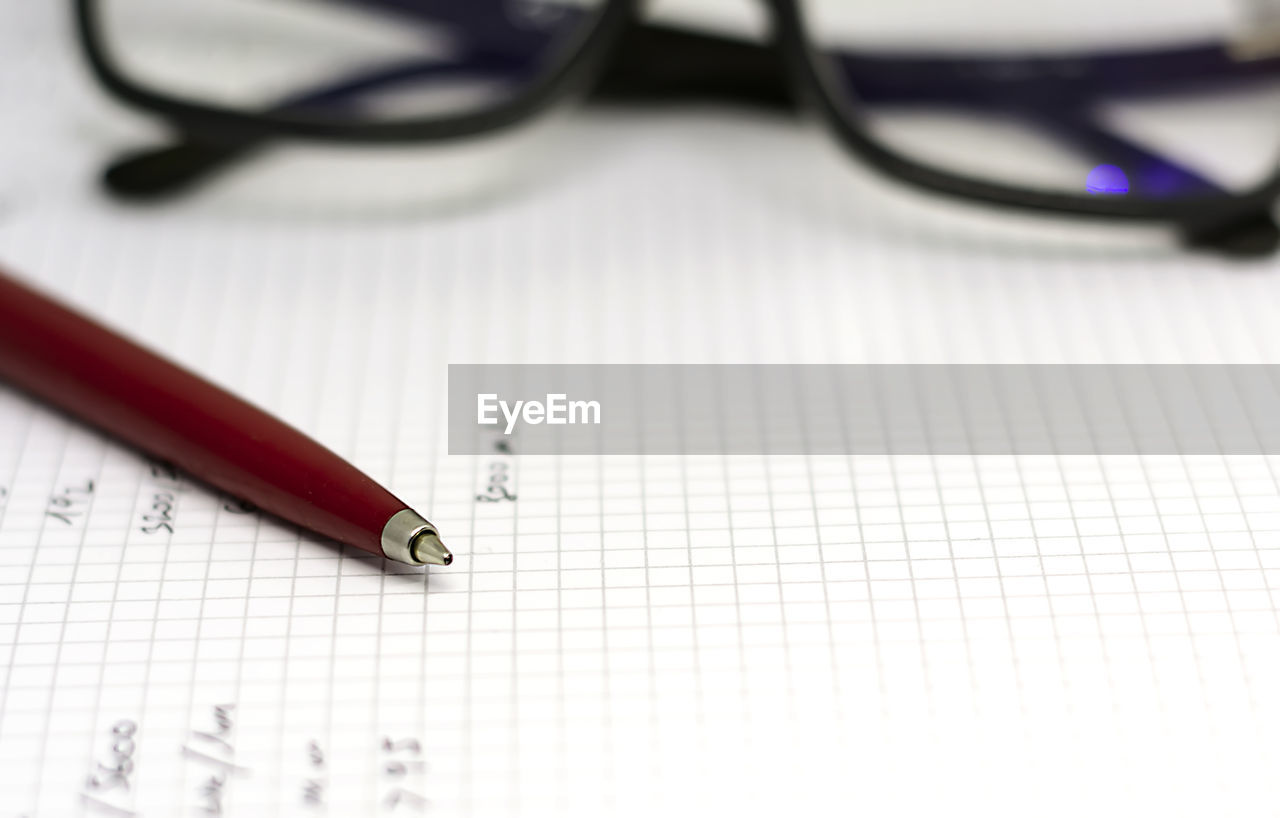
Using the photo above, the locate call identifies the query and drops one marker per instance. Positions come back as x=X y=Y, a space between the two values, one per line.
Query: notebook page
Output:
x=759 y=635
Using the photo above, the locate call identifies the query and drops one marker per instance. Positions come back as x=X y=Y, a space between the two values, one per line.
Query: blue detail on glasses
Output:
x=1107 y=180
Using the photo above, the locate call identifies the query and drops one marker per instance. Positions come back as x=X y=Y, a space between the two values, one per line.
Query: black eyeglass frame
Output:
x=1207 y=220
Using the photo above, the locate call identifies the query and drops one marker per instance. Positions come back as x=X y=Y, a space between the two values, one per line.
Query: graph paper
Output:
x=631 y=636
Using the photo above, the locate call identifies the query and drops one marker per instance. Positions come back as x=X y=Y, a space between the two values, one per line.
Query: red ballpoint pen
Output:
x=109 y=382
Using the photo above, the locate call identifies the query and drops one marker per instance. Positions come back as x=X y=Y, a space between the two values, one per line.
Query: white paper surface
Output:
x=799 y=636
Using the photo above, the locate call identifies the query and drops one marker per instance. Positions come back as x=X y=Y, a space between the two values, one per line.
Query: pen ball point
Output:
x=428 y=549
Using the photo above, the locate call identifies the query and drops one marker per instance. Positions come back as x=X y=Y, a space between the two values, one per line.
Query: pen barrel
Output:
x=97 y=376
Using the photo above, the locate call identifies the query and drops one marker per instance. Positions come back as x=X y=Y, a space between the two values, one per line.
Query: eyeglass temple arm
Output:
x=1243 y=235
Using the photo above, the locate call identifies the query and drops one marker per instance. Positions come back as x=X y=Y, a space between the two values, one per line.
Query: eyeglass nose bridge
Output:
x=653 y=62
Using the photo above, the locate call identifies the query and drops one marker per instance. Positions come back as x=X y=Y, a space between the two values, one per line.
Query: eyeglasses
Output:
x=1119 y=109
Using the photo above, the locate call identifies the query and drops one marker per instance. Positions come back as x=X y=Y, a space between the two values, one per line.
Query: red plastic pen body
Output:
x=111 y=383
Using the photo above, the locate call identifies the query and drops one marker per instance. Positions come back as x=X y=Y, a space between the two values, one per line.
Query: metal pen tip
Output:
x=427 y=549
x=409 y=538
